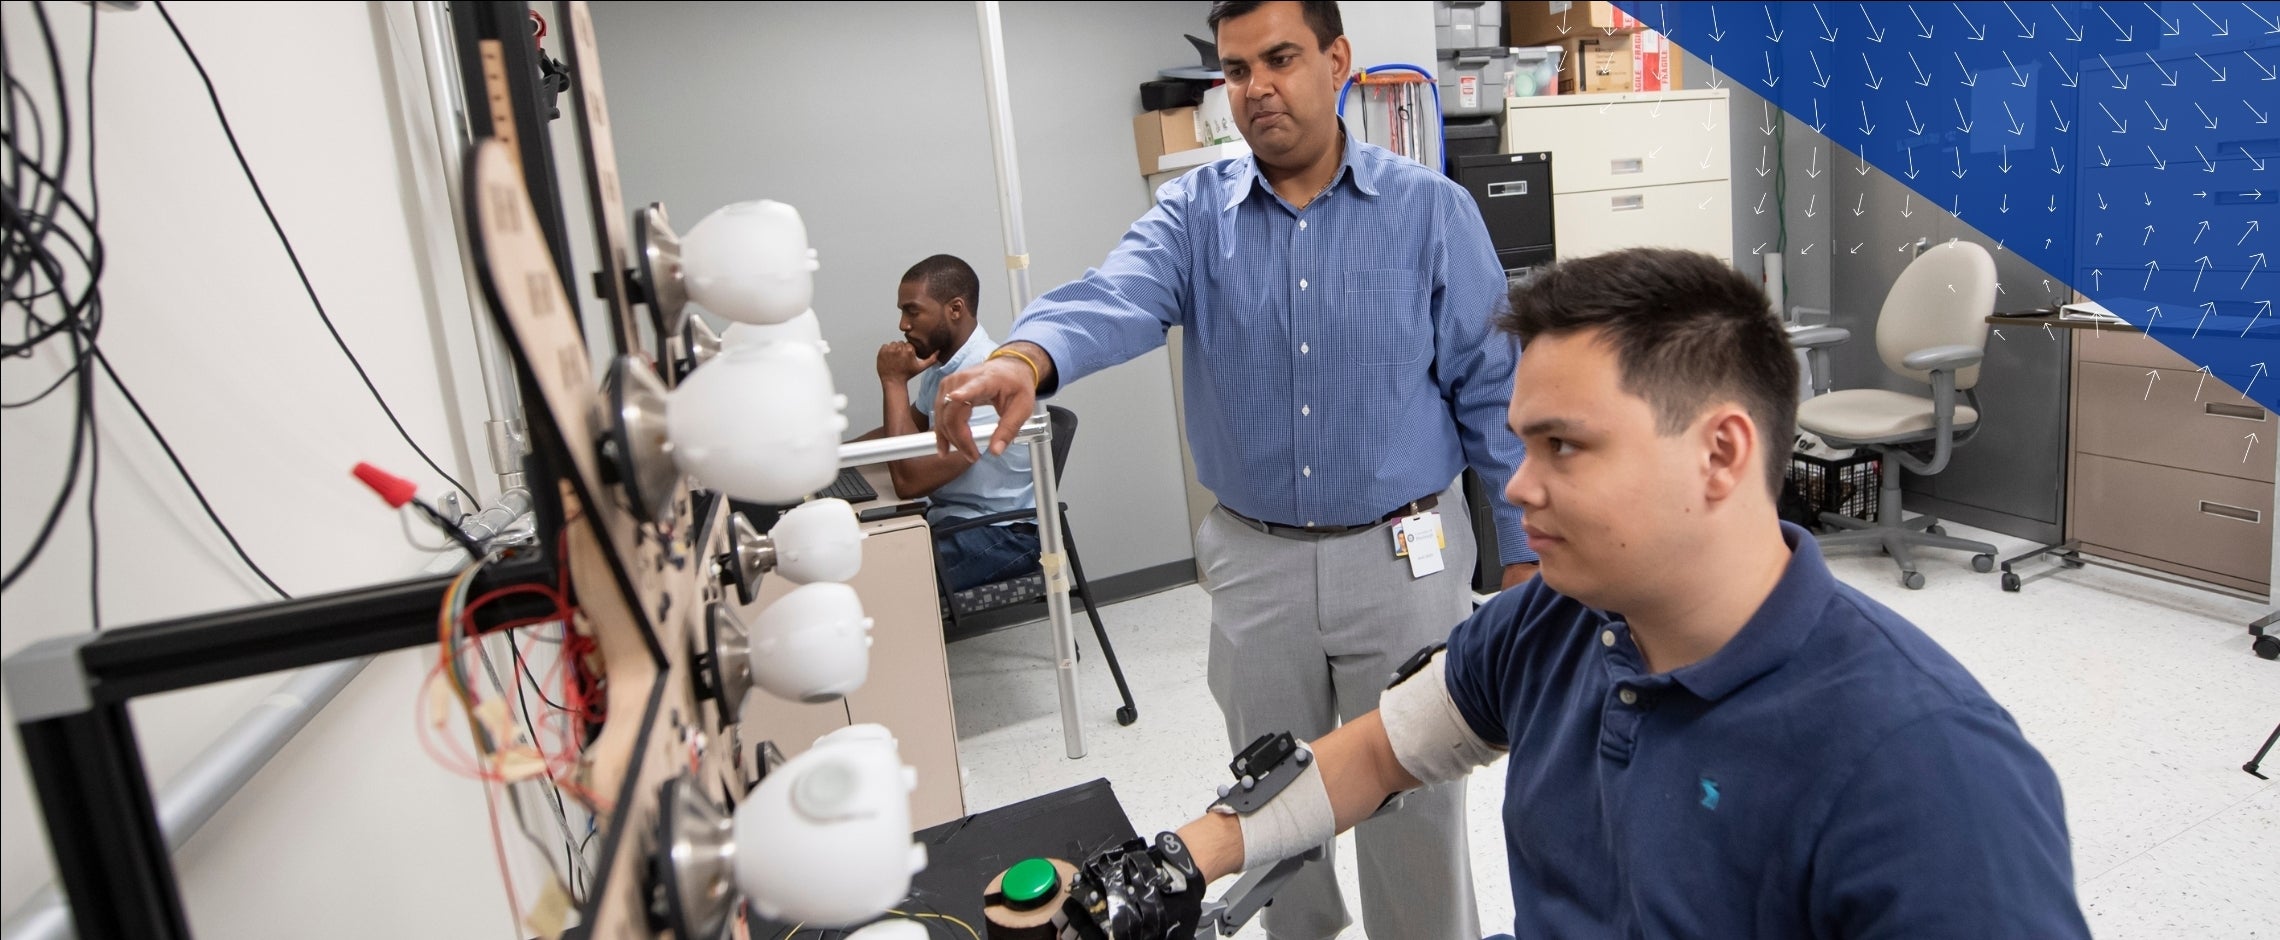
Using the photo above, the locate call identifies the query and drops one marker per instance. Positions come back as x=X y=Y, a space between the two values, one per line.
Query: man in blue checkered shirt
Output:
x=1340 y=374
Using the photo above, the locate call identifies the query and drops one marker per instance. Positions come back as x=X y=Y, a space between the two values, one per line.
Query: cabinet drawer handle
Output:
x=1630 y=203
x=2250 y=516
x=2243 y=412
x=1508 y=188
x=1627 y=166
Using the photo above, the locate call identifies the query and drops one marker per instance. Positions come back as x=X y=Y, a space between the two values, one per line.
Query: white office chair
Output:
x=1933 y=329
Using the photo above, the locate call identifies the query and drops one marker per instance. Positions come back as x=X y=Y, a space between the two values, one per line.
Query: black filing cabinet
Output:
x=1514 y=191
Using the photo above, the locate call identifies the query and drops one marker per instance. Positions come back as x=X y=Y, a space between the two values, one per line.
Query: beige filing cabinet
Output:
x=1632 y=170
x=909 y=687
x=2157 y=475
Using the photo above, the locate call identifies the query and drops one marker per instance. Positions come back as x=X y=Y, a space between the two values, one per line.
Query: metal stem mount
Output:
x=1261 y=772
x=635 y=443
x=692 y=883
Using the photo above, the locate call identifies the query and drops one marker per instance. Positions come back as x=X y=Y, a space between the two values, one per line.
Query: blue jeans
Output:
x=987 y=554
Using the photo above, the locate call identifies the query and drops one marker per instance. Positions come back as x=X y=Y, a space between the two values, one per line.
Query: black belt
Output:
x=1273 y=528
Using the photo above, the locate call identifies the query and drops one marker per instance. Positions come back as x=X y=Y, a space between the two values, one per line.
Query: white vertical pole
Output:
x=1051 y=554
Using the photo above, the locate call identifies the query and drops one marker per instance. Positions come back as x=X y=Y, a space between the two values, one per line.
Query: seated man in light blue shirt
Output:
x=937 y=299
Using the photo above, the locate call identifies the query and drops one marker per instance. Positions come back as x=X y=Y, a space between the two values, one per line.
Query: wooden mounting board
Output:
x=642 y=589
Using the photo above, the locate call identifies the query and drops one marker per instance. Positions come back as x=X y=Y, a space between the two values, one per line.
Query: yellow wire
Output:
x=969 y=927
x=795 y=929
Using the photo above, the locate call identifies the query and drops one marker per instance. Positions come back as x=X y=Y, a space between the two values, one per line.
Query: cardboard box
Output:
x=1156 y=133
x=1654 y=62
x=1595 y=64
x=1636 y=61
x=1541 y=24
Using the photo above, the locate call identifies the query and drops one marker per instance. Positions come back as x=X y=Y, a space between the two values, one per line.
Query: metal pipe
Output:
x=505 y=432
x=210 y=780
x=1050 y=552
x=923 y=444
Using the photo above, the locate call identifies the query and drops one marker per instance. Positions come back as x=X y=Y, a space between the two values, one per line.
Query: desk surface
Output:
x=962 y=855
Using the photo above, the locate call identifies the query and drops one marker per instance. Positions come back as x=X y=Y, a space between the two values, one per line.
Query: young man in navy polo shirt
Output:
x=1707 y=734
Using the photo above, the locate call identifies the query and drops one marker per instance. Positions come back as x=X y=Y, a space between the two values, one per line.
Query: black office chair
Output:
x=1030 y=588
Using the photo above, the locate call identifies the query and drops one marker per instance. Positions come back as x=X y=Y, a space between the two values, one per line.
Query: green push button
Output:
x=1030 y=882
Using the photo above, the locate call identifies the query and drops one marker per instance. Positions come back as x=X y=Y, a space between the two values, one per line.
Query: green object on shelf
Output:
x=1030 y=881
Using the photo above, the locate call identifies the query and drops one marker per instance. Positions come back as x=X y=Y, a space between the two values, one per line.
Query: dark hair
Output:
x=947 y=277
x=1686 y=329
x=1321 y=15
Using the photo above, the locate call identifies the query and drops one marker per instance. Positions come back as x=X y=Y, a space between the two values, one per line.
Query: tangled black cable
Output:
x=51 y=261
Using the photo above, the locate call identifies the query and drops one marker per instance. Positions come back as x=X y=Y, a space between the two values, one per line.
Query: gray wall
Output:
x=876 y=128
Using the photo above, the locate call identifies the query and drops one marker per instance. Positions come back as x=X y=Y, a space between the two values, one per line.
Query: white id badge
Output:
x=1421 y=535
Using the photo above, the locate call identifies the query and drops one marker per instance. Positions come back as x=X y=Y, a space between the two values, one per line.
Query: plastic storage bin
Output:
x=1535 y=71
x=1472 y=81
x=1467 y=24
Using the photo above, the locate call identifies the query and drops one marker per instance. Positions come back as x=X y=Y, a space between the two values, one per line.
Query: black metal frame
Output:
x=71 y=696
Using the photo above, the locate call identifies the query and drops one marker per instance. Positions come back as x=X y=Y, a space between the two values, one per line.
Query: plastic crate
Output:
x=1467 y=24
x=1846 y=487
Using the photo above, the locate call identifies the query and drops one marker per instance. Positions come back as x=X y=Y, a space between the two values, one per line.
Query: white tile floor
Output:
x=2144 y=696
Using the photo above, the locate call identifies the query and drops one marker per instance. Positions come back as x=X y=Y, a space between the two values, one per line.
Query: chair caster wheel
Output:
x=1126 y=714
x=2010 y=582
x=1913 y=581
x=2268 y=646
x=1935 y=529
x=1983 y=563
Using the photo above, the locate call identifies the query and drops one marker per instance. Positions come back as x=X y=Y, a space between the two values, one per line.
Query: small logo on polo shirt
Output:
x=1709 y=793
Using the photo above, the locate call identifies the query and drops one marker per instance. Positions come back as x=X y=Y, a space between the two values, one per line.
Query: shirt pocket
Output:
x=1387 y=314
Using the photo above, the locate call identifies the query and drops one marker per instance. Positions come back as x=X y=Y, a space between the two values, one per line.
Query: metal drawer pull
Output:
x=2243 y=412
x=1630 y=203
x=1508 y=188
x=2250 y=516
x=1622 y=167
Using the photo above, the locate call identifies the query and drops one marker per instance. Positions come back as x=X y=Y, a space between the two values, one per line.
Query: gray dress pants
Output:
x=1306 y=630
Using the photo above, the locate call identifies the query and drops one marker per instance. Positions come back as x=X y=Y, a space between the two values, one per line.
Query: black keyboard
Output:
x=850 y=486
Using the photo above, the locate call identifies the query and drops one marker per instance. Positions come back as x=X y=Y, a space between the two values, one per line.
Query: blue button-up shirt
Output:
x=1831 y=772
x=993 y=484
x=1339 y=359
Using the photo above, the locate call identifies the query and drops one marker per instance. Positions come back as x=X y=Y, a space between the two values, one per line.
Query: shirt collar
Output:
x=1774 y=633
x=974 y=346
x=1244 y=176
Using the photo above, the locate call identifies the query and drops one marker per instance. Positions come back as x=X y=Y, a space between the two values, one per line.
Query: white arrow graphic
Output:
x=2128 y=35
x=1827 y=34
x=2030 y=30
x=2158 y=164
x=2121 y=82
x=2097 y=279
x=1761 y=203
x=1969 y=80
x=1823 y=80
x=2223 y=29
x=1959 y=170
x=1977 y=32
x=2018 y=78
x=2220 y=73
x=2261 y=117
x=2259 y=258
x=1814 y=171
x=2208 y=167
x=2006 y=167
x=1771 y=79
x=1926 y=31
x=1921 y=78
x=2151 y=376
x=2017 y=129
x=2074 y=35
x=1874 y=83
x=2063 y=126
x=1874 y=34
x=2206 y=309
x=2159 y=123
x=2055 y=166
x=2253 y=225
x=1810 y=202
x=2148 y=238
x=2151 y=267
x=1776 y=34
x=2252 y=159
x=2168 y=78
x=1763 y=151
x=2251 y=437
x=2069 y=79
x=2273 y=24
x=2120 y=126
x=1862 y=201
x=2261 y=310
x=2204 y=260
x=2204 y=231
x=2204 y=380
x=1965 y=125
x=1716 y=33
x=2252 y=381
x=2269 y=74
x=2167 y=28
x=1911 y=164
